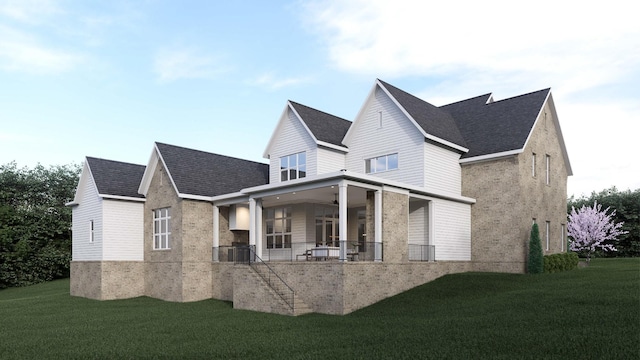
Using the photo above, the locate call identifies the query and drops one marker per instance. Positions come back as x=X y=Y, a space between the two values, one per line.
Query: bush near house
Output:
x=560 y=262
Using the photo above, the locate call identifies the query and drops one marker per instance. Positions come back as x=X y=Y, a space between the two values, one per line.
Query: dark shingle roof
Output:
x=497 y=126
x=115 y=177
x=201 y=173
x=431 y=119
x=325 y=127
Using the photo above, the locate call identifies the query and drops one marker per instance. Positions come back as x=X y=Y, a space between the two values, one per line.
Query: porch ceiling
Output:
x=356 y=196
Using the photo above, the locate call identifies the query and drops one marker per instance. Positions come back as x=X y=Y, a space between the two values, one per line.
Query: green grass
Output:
x=588 y=313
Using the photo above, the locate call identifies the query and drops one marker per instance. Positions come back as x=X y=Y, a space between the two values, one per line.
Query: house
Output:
x=343 y=215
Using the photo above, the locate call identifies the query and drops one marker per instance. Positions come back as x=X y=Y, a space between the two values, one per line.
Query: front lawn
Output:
x=587 y=313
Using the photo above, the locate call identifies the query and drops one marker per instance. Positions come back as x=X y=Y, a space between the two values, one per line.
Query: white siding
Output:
x=292 y=138
x=452 y=230
x=123 y=232
x=397 y=135
x=442 y=172
x=89 y=208
x=419 y=222
x=330 y=161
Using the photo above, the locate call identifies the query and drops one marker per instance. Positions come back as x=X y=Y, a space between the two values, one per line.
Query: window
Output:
x=533 y=164
x=381 y=163
x=91 y=232
x=562 y=239
x=327 y=226
x=293 y=166
x=547 y=235
x=547 y=159
x=162 y=229
x=278 y=228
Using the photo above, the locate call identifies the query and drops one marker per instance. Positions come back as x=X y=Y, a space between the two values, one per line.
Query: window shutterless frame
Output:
x=162 y=229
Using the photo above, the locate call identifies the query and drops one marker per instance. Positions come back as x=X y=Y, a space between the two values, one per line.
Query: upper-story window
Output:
x=293 y=166
x=533 y=164
x=162 y=229
x=381 y=163
x=548 y=168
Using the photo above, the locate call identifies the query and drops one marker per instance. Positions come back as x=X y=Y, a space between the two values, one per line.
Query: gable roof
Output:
x=431 y=119
x=323 y=126
x=200 y=173
x=116 y=178
x=496 y=127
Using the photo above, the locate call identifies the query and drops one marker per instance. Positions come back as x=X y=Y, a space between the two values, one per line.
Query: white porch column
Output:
x=252 y=222
x=377 y=225
x=258 y=228
x=216 y=233
x=342 y=219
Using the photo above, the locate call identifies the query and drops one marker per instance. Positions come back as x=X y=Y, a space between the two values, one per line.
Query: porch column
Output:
x=216 y=233
x=342 y=216
x=377 y=225
x=252 y=222
x=258 y=228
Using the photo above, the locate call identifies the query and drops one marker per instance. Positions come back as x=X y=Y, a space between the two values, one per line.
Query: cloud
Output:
x=175 y=64
x=20 y=52
x=587 y=45
x=270 y=81
x=28 y=11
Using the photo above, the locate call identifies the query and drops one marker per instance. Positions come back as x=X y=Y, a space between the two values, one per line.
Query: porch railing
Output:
x=356 y=251
x=422 y=252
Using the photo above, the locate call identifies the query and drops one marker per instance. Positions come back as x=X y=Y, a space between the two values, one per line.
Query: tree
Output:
x=627 y=206
x=536 y=256
x=35 y=225
x=591 y=228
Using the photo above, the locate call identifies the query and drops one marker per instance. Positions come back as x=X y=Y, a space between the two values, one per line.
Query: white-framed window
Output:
x=563 y=240
x=278 y=228
x=533 y=164
x=293 y=166
x=381 y=163
x=162 y=229
x=547 y=226
x=91 y=232
x=547 y=160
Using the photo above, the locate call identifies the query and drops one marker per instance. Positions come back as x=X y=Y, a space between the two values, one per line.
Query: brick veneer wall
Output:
x=182 y=273
x=544 y=202
x=395 y=227
x=107 y=280
x=86 y=277
x=340 y=288
x=508 y=197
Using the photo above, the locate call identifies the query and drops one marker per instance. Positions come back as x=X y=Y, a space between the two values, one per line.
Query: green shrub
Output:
x=560 y=262
x=536 y=257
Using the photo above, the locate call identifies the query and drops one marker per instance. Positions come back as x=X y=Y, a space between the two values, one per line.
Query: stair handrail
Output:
x=257 y=259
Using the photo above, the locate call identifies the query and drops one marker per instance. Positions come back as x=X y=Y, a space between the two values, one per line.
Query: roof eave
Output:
x=121 y=197
x=492 y=156
x=332 y=146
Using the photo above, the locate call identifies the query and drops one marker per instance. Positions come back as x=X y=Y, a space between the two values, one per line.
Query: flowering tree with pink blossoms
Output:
x=592 y=228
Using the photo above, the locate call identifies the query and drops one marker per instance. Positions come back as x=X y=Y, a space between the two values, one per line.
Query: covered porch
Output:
x=327 y=219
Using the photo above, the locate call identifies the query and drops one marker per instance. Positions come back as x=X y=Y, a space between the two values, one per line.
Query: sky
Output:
x=109 y=78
